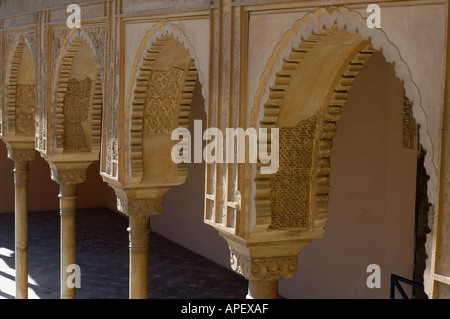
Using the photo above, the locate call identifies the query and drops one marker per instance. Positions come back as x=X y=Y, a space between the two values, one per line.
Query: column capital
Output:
x=271 y=268
x=140 y=206
x=21 y=154
x=142 y=201
x=20 y=150
x=69 y=172
x=264 y=260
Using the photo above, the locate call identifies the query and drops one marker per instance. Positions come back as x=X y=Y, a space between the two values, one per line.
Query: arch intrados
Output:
x=319 y=66
x=20 y=43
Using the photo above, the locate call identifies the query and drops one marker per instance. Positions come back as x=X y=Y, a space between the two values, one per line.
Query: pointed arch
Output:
x=312 y=25
x=145 y=67
x=316 y=118
x=19 y=115
x=77 y=42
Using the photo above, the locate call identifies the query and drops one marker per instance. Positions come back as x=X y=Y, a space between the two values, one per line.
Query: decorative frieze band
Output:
x=76 y=176
x=21 y=154
x=68 y=172
x=263 y=268
x=141 y=207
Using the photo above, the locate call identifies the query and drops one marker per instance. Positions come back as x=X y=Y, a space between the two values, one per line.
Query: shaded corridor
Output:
x=102 y=254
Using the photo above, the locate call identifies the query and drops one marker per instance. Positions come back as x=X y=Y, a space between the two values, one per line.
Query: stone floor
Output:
x=102 y=254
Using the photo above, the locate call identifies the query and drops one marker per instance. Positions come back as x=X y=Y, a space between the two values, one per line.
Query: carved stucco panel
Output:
x=25 y=109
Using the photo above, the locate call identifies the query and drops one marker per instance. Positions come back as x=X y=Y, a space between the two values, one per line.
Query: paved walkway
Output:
x=102 y=254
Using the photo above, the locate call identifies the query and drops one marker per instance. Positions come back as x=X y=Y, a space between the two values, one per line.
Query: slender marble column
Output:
x=139 y=231
x=21 y=228
x=21 y=156
x=67 y=201
x=262 y=289
x=139 y=212
x=68 y=175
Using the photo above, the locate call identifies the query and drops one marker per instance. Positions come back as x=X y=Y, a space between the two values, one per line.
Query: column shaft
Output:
x=139 y=233
x=262 y=289
x=67 y=201
x=21 y=228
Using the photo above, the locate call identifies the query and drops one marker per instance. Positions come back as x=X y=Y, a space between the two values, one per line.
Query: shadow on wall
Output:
x=372 y=196
x=43 y=191
x=182 y=217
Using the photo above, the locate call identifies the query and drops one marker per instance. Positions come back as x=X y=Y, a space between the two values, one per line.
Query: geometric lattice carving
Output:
x=410 y=129
x=290 y=186
x=161 y=101
x=76 y=111
x=25 y=107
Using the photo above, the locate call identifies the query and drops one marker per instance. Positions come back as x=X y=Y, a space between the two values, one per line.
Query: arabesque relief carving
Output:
x=161 y=101
x=76 y=111
x=21 y=154
x=263 y=268
x=25 y=109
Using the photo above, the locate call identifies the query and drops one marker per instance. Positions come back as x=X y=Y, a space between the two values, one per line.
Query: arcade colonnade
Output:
x=115 y=89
